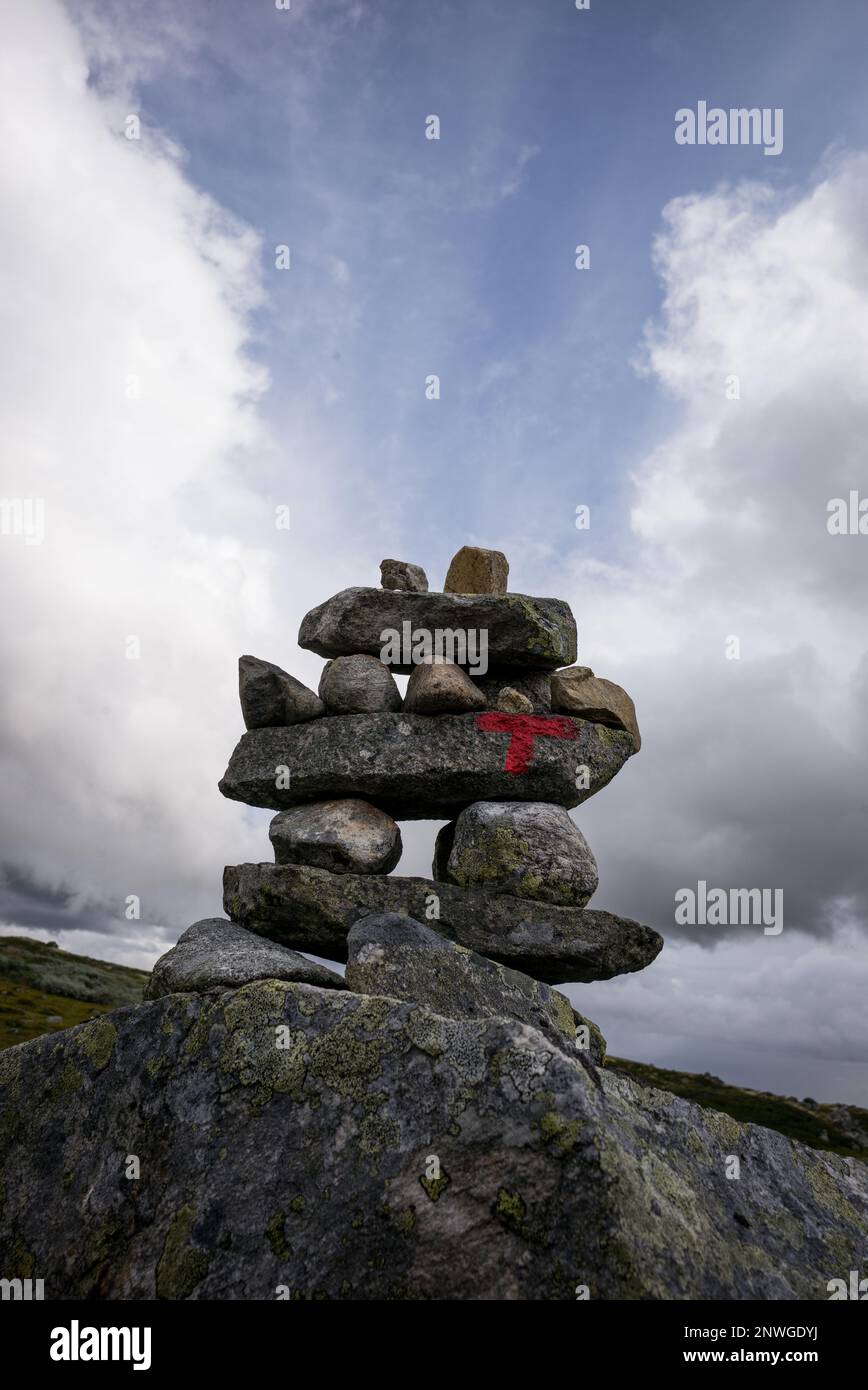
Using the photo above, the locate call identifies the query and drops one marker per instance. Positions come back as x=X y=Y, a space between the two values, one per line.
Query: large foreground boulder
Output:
x=301 y=1143
x=313 y=910
x=418 y=767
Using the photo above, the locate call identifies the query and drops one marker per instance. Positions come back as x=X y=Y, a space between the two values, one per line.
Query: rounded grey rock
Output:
x=528 y=849
x=359 y=685
x=440 y=687
x=345 y=836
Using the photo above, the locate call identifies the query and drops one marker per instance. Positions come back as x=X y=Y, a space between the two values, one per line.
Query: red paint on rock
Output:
x=523 y=729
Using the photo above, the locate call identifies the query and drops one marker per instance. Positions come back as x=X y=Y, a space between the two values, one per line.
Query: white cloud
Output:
x=752 y=771
x=131 y=406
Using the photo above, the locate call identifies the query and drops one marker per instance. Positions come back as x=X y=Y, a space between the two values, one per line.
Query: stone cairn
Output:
x=502 y=736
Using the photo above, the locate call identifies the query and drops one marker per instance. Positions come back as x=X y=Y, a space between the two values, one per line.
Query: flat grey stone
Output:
x=313 y=910
x=526 y=848
x=271 y=697
x=404 y=959
x=348 y=836
x=386 y=1153
x=417 y=767
x=521 y=633
x=215 y=955
x=359 y=685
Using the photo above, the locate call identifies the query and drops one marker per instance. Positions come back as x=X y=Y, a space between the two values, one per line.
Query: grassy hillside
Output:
x=44 y=989
x=842 y=1128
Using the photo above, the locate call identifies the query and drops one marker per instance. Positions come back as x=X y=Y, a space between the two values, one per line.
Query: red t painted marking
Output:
x=524 y=728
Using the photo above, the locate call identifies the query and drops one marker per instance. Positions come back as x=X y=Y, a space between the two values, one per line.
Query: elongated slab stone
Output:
x=423 y=767
x=519 y=632
x=313 y=910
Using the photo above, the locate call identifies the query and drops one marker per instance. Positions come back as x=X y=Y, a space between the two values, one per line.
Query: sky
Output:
x=701 y=387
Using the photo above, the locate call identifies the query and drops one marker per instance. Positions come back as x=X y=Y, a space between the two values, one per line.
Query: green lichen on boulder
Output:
x=403 y=959
x=355 y=1165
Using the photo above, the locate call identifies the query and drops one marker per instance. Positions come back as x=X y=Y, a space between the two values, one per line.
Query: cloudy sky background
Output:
x=153 y=259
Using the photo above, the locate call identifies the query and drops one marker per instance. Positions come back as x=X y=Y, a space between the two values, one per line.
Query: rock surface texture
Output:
x=417 y=767
x=438 y=1125
x=476 y=571
x=521 y=633
x=270 y=696
x=217 y=955
x=348 y=836
x=526 y=848
x=312 y=910
x=393 y=955
x=440 y=687
x=358 y=685
x=476 y=1159
x=578 y=691
x=399 y=574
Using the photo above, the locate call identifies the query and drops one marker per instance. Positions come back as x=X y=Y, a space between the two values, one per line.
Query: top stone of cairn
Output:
x=475 y=571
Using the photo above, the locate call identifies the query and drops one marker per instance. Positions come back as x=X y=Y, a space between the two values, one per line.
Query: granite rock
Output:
x=440 y=687
x=399 y=574
x=477 y=571
x=347 y=836
x=359 y=685
x=404 y=959
x=535 y=686
x=415 y=767
x=529 y=849
x=519 y=633
x=270 y=697
x=218 y=955
x=313 y=910
x=579 y=692
x=512 y=701
x=390 y=1154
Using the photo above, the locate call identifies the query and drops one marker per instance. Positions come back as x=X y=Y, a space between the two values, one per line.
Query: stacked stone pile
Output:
x=500 y=733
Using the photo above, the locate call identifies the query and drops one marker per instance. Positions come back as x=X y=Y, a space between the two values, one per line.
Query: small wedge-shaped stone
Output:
x=359 y=685
x=526 y=848
x=440 y=687
x=347 y=836
x=272 y=698
x=578 y=691
x=418 y=768
x=535 y=686
x=399 y=574
x=312 y=910
x=512 y=701
x=476 y=571
x=215 y=954
x=497 y=632
x=399 y=957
